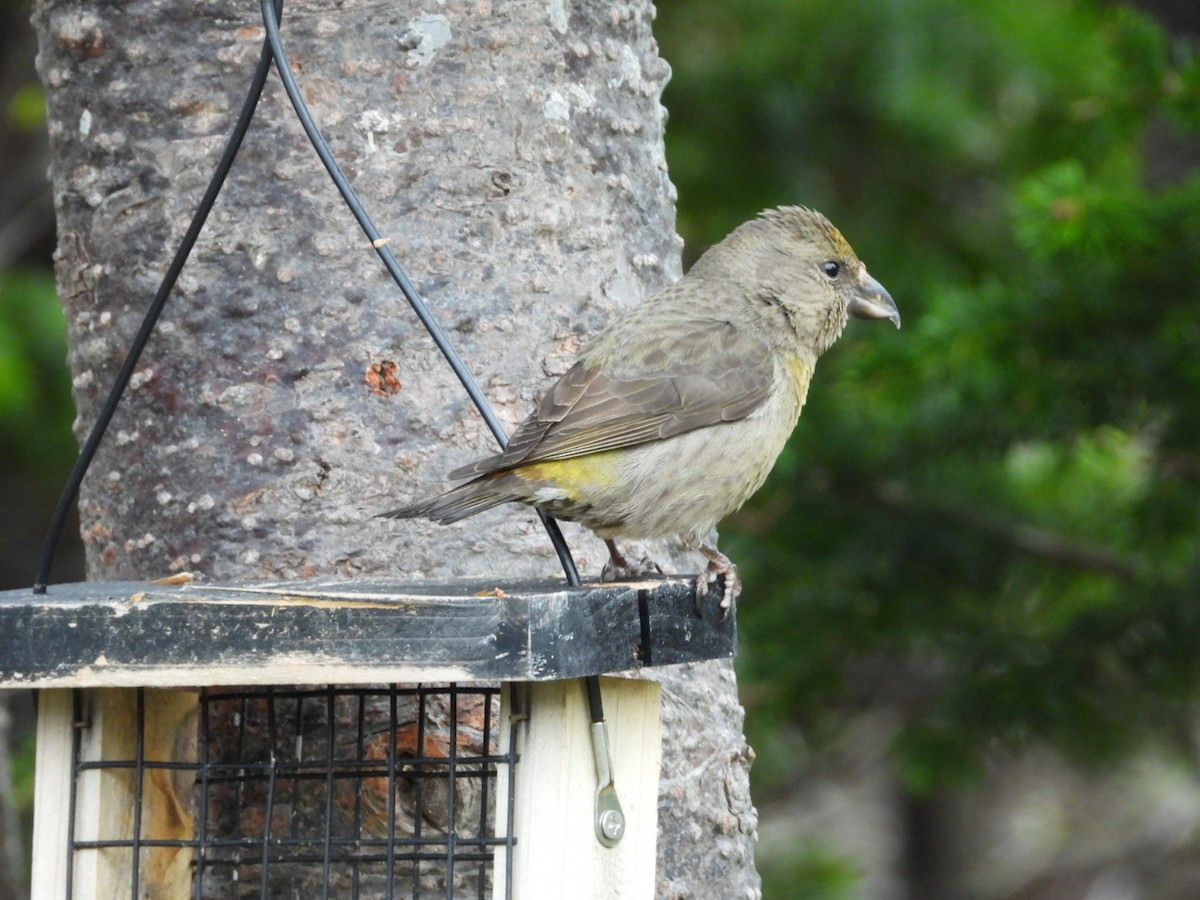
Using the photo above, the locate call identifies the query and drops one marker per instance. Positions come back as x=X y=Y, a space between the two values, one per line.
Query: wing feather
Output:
x=622 y=404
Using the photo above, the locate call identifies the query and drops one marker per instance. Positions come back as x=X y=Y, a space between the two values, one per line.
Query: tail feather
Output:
x=460 y=502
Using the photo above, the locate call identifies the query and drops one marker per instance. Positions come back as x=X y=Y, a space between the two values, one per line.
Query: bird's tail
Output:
x=465 y=500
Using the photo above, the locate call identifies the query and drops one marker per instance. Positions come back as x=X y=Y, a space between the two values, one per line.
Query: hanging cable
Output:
x=470 y=385
x=88 y=452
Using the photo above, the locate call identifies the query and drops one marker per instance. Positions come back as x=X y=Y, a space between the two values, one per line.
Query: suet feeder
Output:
x=446 y=751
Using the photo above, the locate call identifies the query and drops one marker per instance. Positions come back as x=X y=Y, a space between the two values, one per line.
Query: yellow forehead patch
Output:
x=840 y=245
x=808 y=224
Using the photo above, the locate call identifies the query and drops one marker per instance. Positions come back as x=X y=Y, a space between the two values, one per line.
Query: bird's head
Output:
x=804 y=279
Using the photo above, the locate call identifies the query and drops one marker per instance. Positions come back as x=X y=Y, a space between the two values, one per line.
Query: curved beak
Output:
x=872 y=301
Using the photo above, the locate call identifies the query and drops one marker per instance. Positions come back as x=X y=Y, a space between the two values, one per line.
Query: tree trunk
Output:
x=512 y=152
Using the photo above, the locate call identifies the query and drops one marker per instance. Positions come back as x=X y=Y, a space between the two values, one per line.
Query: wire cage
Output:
x=347 y=791
x=396 y=777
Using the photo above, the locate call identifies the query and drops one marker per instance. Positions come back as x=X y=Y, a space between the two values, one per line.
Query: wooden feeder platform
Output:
x=353 y=632
x=141 y=651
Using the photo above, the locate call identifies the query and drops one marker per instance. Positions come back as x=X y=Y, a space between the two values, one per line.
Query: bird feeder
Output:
x=446 y=750
x=344 y=739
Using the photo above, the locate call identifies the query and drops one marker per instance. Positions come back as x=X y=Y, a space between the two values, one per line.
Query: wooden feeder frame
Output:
x=115 y=648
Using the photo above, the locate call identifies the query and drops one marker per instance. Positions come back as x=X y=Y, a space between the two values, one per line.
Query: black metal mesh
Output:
x=321 y=792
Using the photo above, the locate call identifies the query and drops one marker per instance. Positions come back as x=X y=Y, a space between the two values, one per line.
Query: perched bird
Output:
x=675 y=413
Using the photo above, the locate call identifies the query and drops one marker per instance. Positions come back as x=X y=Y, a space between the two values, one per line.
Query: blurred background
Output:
x=971 y=628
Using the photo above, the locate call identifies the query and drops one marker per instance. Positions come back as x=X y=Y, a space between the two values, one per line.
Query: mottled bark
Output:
x=513 y=153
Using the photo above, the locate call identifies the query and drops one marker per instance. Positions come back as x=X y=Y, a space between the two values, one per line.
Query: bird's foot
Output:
x=721 y=574
x=620 y=568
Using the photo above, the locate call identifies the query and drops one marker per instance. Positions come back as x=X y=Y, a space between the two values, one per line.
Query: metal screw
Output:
x=612 y=824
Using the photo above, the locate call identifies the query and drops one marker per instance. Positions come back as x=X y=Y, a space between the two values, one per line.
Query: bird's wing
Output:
x=725 y=377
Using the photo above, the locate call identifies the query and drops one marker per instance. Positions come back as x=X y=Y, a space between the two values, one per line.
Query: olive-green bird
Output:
x=675 y=413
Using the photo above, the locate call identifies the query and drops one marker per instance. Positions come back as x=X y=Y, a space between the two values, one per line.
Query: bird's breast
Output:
x=686 y=484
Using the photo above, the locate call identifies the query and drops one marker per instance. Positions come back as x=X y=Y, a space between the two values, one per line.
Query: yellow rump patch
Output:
x=577 y=475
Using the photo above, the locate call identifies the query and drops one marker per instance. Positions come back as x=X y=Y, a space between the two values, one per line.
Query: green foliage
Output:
x=27 y=108
x=1002 y=501
x=814 y=872
x=35 y=405
x=23 y=764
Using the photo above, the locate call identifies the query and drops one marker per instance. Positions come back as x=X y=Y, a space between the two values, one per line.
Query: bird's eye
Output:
x=831 y=269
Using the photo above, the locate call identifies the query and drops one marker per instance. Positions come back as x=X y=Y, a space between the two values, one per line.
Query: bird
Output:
x=674 y=413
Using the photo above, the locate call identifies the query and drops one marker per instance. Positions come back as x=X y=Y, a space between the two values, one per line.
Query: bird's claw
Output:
x=619 y=568
x=722 y=576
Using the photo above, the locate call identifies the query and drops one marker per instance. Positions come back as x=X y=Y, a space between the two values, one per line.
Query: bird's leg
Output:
x=719 y=567
x=618 y=568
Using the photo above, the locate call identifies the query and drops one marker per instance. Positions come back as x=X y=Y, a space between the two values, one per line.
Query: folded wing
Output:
x=631 y=400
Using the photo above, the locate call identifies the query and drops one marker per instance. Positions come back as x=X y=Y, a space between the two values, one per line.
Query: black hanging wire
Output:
x=272 y=11
x=272 y=51
x=470 y=385
x=271 y=22
x=88 y=451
